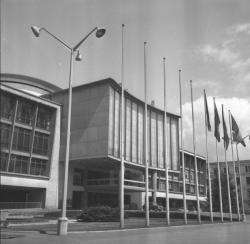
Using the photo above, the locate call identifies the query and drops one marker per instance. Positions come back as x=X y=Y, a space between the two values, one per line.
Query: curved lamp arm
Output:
x=80 y=43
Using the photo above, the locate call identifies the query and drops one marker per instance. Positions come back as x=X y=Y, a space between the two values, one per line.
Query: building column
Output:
x=85 y=184
x=154 y=181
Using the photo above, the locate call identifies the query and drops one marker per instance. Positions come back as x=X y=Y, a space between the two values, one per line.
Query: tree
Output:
x=224 y=192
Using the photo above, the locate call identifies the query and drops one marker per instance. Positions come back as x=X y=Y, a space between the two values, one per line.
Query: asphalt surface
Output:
x=229 y=233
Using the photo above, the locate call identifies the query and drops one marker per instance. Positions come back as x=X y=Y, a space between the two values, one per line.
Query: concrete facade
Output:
x=95 y=149
x=29 y=169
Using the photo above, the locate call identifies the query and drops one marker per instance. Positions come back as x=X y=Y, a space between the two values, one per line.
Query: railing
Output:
x=103 y=181
x=20 y=205
x=134 y=183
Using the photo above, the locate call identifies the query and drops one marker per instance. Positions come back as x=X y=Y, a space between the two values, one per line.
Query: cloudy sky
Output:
x=208 y=40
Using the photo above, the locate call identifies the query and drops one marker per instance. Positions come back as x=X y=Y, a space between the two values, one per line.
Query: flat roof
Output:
x=192 y=154
x=116 y=86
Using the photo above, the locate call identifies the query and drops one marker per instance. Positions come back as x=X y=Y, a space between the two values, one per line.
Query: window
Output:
x=171 y=187
x=4 y=159
x=237 y=169
x=238 y=180
x=41 y=143
x=202 y=190
x=192 y=189
x=43 y=118
x=4 y=135
x=21 y=139
x=25 y=112
x=192 y=177
x=248 y=180
x=7 y=106
x=247 y=168
x=39 y=167
x=18 y=164
x=78 y=177
x=248 y=193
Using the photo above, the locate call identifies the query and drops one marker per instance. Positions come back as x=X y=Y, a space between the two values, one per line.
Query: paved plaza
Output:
x=229 y=233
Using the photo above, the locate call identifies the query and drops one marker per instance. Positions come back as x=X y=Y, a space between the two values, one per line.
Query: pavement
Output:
x=229 y=233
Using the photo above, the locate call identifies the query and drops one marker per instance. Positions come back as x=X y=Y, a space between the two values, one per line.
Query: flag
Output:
x=207 y=120
x=237 y=137
x=225 y=136
x=216 y=123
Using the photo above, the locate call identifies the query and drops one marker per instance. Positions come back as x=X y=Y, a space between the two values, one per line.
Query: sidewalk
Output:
x=232 y=233
x=50 y=227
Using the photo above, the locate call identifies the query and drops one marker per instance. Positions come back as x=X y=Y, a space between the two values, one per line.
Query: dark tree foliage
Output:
x=224 y=191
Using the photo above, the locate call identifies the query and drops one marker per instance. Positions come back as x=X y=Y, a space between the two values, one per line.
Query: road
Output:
x=229 y=233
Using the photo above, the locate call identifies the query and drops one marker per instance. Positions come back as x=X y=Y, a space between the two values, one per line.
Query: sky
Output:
x=208 y=40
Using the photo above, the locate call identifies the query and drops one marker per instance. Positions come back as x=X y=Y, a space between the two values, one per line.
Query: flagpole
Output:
x=165 y=145
x=208 y=165
x=195 y=158
x=122 y=169
x=234 y=166
x=146 y=139
x=241 y=192
x=219 y=178
x=227 y=171
x=182 y=155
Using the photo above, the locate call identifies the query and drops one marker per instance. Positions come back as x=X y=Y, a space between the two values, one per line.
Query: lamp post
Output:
x=62 y=227
x=246 y=137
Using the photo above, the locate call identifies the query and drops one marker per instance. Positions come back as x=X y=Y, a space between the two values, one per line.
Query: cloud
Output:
x=221 y=54
x=241 y=28
x=230 y=57
x=205 y=83
x=240 y=109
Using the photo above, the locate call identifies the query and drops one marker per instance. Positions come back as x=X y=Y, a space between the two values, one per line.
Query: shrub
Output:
x=100 y=214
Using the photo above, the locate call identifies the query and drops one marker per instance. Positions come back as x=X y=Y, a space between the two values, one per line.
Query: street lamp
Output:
x=62 y=227
x=246 y=137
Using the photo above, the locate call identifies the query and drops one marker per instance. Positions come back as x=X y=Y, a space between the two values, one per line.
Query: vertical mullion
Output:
x=32 y=138
x=156 y=141
x=118 y=124
x=114 y=123
x=171 y=140
x=137 y=134
x=131 y=131
x=12 y=135
x=125 y=129
x=150 y=137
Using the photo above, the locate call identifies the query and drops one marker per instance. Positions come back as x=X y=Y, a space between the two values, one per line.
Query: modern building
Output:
x=30 y=138
x=242 y=171
x=33 y=129
x=95 y=150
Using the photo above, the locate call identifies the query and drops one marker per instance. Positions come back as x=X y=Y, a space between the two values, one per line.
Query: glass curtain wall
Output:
x=134 y=137
x=26 y=135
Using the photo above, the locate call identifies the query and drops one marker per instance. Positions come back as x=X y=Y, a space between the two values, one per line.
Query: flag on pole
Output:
x=216 y=123
x=207 y=113
x=225 y=136
x=237 y=137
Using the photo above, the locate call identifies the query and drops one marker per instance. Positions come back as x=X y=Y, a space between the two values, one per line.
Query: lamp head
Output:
x=78 y=56
x=100 y=32
x=36 y=30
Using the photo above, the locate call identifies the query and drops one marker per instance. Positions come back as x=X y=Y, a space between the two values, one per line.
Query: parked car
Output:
x=154 y=207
